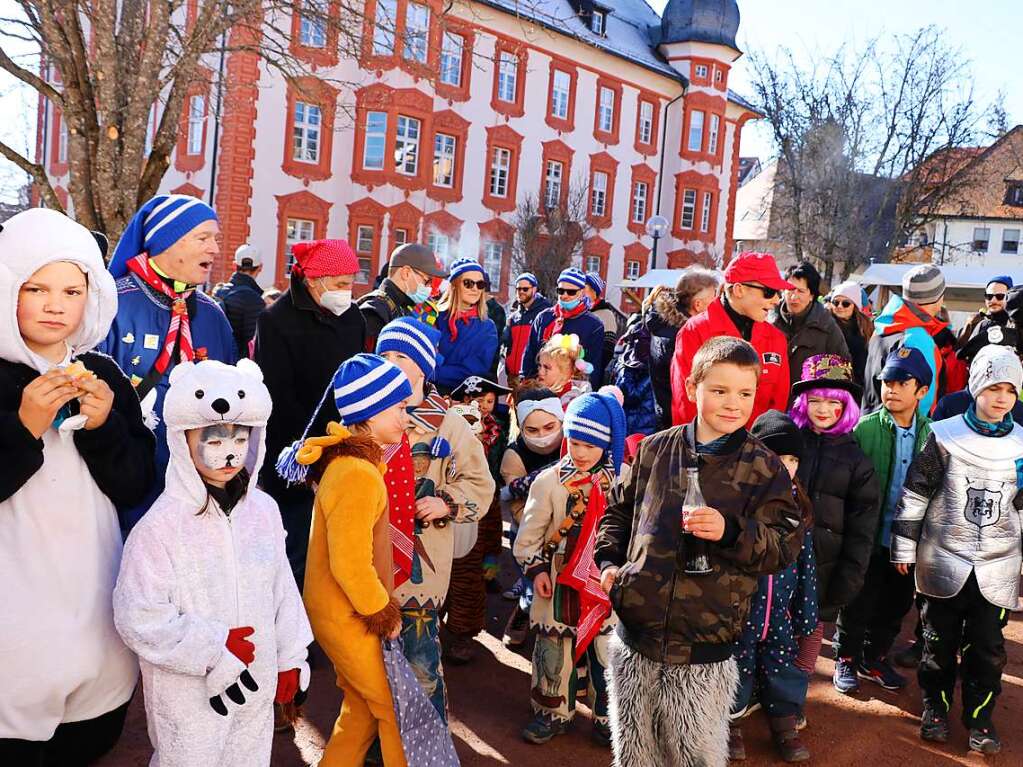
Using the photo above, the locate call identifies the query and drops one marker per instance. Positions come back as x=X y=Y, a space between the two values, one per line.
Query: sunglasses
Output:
x=843 y=304
x=768 y=292
x=524 y=290
x=568 y=291
x=478 y=284
x=995 y=296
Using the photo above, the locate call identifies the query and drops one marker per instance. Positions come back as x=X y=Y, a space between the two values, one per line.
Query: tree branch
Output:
x=38 y=174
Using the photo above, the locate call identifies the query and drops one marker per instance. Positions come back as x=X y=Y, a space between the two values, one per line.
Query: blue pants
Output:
x=770 y=666
x=419 y=629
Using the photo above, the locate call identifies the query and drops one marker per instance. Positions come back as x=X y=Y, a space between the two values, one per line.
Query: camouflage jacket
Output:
x=664 y=614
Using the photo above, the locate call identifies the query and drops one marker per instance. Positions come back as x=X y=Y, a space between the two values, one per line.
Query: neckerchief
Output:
x=400 y=479
x=490 y=434
x=984 y=428
x=455 y=317
x=580 y=572
x=179 y=324
x=429 y=414
x=561 y=316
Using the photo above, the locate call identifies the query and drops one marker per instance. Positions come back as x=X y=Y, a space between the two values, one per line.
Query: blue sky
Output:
x=986 y=31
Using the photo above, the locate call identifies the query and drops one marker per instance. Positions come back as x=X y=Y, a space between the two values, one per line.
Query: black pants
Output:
x=74 y=744
x=297 y=518
x=970 y=626
x=867 y=626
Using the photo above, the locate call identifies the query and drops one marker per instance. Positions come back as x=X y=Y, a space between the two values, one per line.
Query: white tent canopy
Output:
x=969 y=277
x=653 y=278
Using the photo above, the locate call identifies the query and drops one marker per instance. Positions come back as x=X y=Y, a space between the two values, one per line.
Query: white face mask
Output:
x=543 y=445
x=336 y=301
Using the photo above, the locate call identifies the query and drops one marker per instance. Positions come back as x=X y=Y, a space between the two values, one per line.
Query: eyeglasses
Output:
x=842 y=304
x=995 y=296
x=568 y=291
x=478 y=284
x=768 y=292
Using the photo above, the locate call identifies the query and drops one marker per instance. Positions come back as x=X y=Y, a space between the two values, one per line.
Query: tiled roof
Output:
x=983 y=177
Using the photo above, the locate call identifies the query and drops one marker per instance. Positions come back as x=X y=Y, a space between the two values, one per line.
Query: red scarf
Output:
x=490 y=434
x=454 y=317
x=179 y=326
x=580 y=572
x=561 y=316
x=400 y=479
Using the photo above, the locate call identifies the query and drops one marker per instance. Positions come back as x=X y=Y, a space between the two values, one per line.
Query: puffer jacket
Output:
x=816 y=332
x=842 y=485
x=663 y=320
x=630 y=372
x=666 y=615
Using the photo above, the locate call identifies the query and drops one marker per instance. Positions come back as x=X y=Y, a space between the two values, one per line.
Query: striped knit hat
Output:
x=156 y=226
x=528 y=277
x=598 y=419
x=416 y=340
x=366 y=385
x=923 y=284
x=574 y=277
x=463 y=265
x=594 y=281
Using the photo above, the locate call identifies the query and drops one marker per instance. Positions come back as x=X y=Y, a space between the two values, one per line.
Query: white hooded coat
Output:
x=188 y=577
x=60 y=542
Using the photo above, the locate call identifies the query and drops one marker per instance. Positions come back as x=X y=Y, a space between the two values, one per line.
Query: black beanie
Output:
x=779 y=433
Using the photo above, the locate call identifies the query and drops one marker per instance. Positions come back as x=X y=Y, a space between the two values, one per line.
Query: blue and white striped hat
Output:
x=462 y=265
x=366 y=385
x=156 y=226
x=574 y=277
x=416 y=340
x=528 y=277
x=596 y=283
x=597 y=419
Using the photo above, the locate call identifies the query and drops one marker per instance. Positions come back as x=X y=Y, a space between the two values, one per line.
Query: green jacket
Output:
x=875 y=434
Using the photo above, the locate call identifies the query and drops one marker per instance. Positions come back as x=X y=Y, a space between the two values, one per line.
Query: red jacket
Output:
x=770 y=343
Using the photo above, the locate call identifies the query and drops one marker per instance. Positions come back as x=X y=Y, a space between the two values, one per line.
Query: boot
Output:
x=736 y=746
x=459 y=649
x=786 y=739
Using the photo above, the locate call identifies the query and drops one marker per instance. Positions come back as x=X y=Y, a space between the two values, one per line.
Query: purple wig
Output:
x=846 y=422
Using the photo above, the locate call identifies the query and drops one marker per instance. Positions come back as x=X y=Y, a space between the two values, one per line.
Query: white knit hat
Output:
x=850 y=290
x=995 y=364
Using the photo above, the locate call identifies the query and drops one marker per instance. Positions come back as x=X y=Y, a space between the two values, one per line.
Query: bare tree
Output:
x=868 y=143
x=549 y=238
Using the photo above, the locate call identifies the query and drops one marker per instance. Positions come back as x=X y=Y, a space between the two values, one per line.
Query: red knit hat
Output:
x=324 y=258
x=756 y=267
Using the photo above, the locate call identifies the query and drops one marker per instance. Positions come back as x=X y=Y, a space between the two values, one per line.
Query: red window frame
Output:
x=457 y=92
x=641 y=172
x=327 y=56
x=700 y=183
x=710 y=105
x=640 y=253
x=519 y=50
x=497 y=230
x=305 y=205
x=310 y=90
x=504 y=137
x=566 y=124
x=608 y=138
x=366 y=212
x=452 y=124
x=605 y=163
x=558 y=151
x=648 y=148
x=184 y=162
x=597 y=246
x=58 y=168
x=407 y=102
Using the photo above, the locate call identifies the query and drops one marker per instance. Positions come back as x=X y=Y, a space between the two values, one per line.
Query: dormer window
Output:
x=598 y=22
x=701 y=71
x=1014 y=194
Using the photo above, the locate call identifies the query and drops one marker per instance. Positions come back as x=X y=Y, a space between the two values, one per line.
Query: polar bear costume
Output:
x=187 y=577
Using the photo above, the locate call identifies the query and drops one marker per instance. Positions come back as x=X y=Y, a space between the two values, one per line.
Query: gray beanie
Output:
x=923 y=284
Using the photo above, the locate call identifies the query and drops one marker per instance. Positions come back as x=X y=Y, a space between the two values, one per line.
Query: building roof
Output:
x=754 y=201
x=970 y=277
x=705 y=21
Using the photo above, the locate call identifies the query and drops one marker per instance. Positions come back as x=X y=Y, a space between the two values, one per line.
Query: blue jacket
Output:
x=472 y=354
x=591 y=335
x=135 y=340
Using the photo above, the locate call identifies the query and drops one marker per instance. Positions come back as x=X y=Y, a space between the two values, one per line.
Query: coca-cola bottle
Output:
x=697 y=562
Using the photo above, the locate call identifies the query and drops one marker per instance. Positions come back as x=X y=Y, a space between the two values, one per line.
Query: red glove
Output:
x=287 y=686
x=239 y=646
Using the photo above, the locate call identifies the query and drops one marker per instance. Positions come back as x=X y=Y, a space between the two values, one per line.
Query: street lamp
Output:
x=656 y=227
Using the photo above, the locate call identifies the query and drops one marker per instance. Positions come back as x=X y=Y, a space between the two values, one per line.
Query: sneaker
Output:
x=934 y=726
x=880 y=672
x=984 y=740
x=845 y=679
x=516 y=629
x=786 y=739
x=459 y=650
x=736 y=745
x=543 y=729
x=602 y=734
x=909 y=656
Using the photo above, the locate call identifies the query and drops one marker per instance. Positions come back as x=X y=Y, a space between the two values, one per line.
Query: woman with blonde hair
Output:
x=468 y=344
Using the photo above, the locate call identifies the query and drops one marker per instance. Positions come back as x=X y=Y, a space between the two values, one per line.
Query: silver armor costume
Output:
x=970 y=523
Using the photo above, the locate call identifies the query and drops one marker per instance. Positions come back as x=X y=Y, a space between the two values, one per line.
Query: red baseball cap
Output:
x=324 y=258
x=756 y=267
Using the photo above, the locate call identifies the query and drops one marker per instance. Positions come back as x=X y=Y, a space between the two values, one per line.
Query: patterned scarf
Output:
x=581 y=573
x=985 y=429
x=455 y=317
x=490 y=434
x=400 y=479
x=561 y=316
x=179 y=324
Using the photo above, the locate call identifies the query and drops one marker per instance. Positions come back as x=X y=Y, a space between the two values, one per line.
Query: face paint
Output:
x=223 y=446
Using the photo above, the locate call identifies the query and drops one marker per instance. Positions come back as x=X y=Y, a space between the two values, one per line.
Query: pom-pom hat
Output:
x=574 y=277
x=416 y=340
x=528 y=277
x=158 y=225
x=597 y=418
x=324 y=258
x=594 y=281
x=464 y=266
x=827 y=371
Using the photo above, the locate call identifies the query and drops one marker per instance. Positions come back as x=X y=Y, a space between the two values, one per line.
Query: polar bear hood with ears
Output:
x=28 y=242
x=205 y=394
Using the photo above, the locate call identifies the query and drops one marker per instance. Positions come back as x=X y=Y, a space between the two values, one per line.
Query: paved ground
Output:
x=490 y=702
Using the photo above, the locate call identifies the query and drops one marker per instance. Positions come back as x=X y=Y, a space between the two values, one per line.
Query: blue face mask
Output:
x=421 y=294
x=569 y=305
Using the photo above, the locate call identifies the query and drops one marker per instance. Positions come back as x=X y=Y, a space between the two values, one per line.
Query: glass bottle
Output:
x=697 y=562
